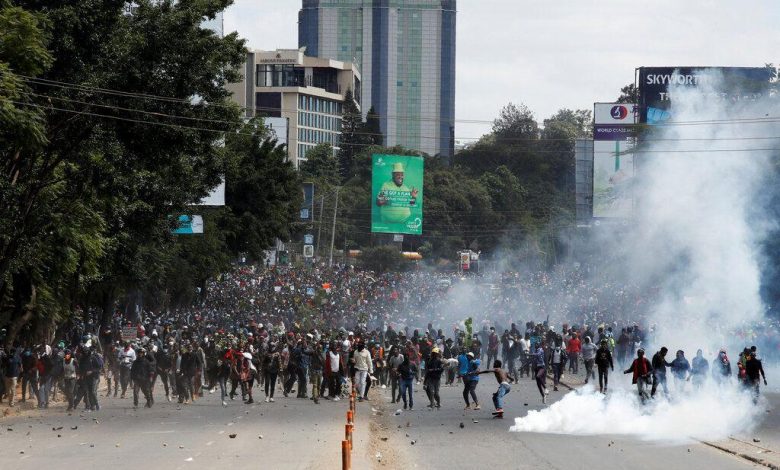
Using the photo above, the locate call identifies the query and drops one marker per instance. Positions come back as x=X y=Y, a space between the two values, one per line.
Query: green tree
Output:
x=263 y=193
x=629 y=94
x=371 y=129
x=514 y=124
x=351 y=140
x=321 y=166
x=126 y=159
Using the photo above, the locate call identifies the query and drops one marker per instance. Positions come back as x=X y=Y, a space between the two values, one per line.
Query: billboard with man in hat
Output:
x=397 y=194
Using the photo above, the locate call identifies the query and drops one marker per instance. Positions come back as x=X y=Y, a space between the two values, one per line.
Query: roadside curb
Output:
x=733 y=450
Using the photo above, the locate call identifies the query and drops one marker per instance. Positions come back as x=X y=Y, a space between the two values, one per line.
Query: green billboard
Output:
x=397 y=194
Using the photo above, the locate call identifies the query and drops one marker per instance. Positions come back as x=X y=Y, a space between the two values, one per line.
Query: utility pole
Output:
x=319 y=229
x=333 y=229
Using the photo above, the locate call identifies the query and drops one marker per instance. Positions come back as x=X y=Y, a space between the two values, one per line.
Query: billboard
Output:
x=397 y=194
x=732 y=83
x=307 y=209
x=613 y=162
x=277 y=128
x=189 y=225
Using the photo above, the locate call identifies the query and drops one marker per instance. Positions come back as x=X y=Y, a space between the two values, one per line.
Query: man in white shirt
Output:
x=126 y=358
x=363 y=368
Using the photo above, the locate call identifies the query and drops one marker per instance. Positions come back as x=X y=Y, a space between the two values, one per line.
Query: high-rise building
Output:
x=405 y=50
x=308 y=92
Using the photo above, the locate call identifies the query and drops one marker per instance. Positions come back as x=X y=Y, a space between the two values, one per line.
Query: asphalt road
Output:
x=297 y=434
x=483 y=442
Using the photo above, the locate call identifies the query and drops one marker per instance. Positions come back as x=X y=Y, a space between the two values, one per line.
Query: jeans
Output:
x=69 y=388
x=641 y=385
x=360 y=378
x=603 y=377
x=395 y=386
x=270 y=383
x=30 y=378
x=44 y=389
x=407 y=386
x=165 y=378
x=222 y=387
x=541 y=379
x=574 y=365
x=498 y=397
x=589 y=370
x=302 y=373
x=470 y=388
x=557 y=372
x=659 y=379
x=432 y=390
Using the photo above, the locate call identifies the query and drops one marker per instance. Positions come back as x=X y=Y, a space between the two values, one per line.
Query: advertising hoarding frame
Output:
x=397 y=208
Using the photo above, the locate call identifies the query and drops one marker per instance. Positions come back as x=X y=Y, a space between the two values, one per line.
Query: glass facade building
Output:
x=405 y=50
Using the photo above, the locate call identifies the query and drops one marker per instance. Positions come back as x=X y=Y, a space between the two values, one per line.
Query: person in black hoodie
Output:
x=433 y=371
x=141 y=372
x=603 y=363
x=164 y=364
x=754 y=372
x=659 y=371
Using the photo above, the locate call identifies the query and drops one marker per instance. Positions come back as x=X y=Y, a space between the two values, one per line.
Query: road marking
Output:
x=159 y=432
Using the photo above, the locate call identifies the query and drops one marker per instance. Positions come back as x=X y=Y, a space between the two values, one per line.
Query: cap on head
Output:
x=470 y=354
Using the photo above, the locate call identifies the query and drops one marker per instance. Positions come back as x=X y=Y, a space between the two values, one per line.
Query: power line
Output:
x=61 y=84
x=223 y=131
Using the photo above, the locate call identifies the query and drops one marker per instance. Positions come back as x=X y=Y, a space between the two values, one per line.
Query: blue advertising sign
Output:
x=732 y=83
x=307 y=210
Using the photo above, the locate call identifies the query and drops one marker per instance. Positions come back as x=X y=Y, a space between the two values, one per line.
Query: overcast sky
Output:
x=563 y=53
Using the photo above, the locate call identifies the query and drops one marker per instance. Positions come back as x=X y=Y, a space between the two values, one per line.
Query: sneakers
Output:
x=555 y=389
x=266 y=399
x=224 y=403
x=334 y=399
x=544 y=399
x=477 y=407
x=272 y=400
x=250 y=401
x=384 y=387
x=466 y=408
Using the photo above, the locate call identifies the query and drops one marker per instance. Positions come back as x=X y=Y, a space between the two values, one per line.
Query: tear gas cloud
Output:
x=696 y=238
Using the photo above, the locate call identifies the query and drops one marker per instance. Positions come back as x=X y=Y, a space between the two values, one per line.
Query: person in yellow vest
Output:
x=395 y=198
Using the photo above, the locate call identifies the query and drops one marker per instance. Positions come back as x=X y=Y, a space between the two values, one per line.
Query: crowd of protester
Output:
x=316 y=331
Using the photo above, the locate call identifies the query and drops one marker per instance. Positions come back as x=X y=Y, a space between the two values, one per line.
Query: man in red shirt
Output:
x=573 y=351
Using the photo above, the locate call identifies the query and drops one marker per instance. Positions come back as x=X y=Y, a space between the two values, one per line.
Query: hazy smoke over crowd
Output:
x=696 y=237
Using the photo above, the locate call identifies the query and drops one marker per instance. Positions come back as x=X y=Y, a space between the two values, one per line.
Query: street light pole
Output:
x=333 y=228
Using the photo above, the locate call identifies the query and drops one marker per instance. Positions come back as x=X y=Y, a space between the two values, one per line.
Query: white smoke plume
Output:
x=696 y=236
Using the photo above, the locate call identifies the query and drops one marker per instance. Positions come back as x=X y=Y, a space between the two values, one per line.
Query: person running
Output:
x=604 y=364
x=589 y=358
x=470 y=381
x=642 y=371
x=396 y=359
x=558 y=359
x=540 y=371
x=699 y=368
x=433 y=371
x=754 y=372
x=503 y=379
x=680 y=370
x=407 y=372
x=721 y=367
x=659 y=371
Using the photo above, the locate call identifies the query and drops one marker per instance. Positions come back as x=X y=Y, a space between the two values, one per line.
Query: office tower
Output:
x=405 y=51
